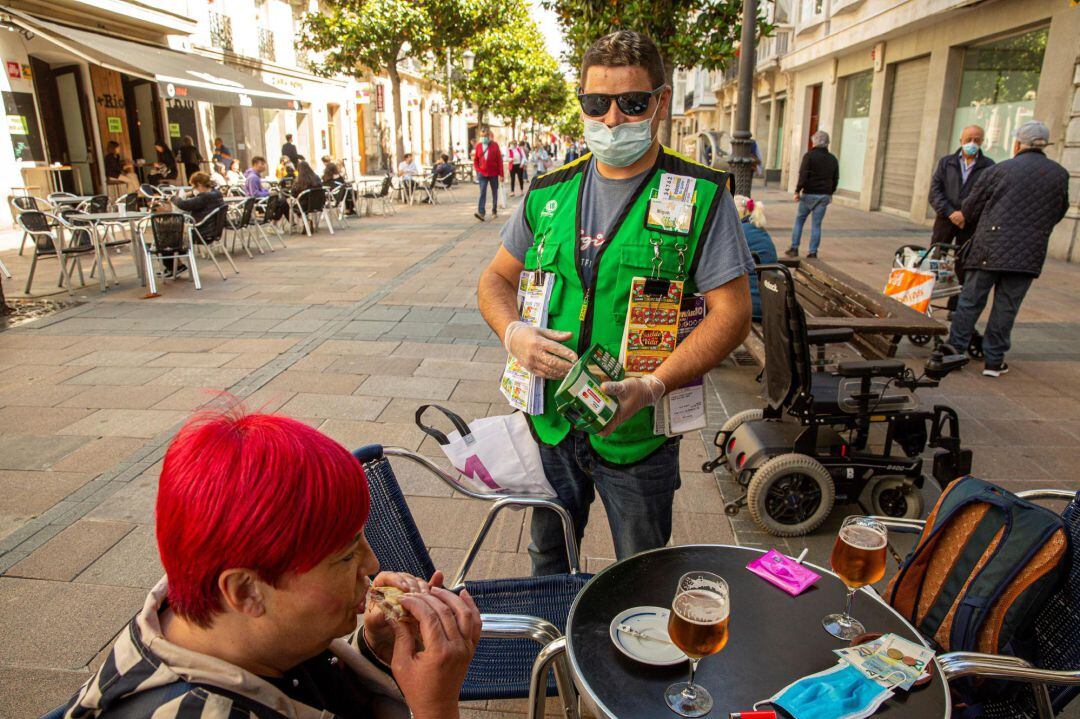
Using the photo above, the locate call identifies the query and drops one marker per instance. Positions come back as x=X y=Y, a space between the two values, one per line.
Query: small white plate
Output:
x=651 y=621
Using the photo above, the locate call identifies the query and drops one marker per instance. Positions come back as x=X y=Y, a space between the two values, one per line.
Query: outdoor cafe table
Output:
x=137 y=250
x=773 y=638
x=72 y=201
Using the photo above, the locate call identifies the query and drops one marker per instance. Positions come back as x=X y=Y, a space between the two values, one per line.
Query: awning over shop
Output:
x=179 y=75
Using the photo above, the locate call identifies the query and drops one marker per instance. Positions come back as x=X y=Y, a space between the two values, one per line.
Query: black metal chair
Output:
x=1054 y=680
x=48 y=243
x=21 y=204
x=170 y=239
x=310 y=202
x=239 y=222
x=500 y=669
x=269 y=212
x=382 y=195
x=209 y=232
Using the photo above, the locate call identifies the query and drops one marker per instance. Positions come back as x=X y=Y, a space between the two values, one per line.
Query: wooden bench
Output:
x=832 y=298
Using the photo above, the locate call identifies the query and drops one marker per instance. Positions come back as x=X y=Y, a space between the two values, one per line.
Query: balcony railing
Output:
x=772 y=48
x=266 y=45
x=221 y=31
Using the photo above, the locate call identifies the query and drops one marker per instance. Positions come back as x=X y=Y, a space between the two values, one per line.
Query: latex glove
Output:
x=539 y=350
x=633 y=393
x=957 y=218
x=378 y=630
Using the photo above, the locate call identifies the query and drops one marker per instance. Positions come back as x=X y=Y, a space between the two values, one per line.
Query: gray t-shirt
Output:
x=723 y=253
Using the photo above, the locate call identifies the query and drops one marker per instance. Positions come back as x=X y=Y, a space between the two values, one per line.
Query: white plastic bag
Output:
x=495 y=455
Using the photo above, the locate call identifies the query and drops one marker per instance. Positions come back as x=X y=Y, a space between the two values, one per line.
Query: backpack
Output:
x=985 y=564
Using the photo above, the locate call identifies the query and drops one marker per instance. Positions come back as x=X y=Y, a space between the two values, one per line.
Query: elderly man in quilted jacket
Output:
x=1016 y=204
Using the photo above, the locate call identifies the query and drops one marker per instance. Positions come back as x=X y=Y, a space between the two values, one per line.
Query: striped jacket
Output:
x=180 y=684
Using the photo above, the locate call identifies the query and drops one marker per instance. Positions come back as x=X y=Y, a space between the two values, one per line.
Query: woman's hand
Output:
x=430 y=672
x=378 y=630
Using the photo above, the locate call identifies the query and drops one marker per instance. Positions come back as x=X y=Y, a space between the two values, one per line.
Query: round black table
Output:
x=774 y=638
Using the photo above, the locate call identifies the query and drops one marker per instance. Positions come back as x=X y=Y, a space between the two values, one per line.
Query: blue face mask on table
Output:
x=841 y=692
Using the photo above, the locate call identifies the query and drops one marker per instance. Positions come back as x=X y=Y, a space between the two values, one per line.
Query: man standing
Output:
x=222 y=153
x=1016 y=204
x=586 y=223
x=289 y=150
x=488 y=163
x=953 y=179
x=819 y=174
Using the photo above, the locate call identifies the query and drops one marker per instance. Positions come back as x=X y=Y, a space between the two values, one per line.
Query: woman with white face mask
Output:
x=629 y=208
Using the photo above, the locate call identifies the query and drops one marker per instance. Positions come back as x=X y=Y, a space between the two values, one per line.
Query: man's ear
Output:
x=665 y=102
x=242 y=591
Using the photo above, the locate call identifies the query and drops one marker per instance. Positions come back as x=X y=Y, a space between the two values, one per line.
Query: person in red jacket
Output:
x=488 y=162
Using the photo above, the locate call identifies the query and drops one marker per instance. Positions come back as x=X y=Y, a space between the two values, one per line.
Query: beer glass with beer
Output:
x=698 y=625
x=858 y=558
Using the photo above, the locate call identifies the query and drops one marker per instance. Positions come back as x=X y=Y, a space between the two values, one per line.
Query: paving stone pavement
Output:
x=351 y=333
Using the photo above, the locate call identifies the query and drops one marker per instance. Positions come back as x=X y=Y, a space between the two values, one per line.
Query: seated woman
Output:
x=235 y=175
x=260 y=528
x=761 y=245
x=333 y=179
x=206 y=200
x=306 y=179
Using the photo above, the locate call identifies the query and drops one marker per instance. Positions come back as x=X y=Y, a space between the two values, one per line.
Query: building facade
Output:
x=81 y=74
x=895 y=82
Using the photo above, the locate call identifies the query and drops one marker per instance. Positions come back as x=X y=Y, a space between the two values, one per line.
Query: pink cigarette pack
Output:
x=783 y=571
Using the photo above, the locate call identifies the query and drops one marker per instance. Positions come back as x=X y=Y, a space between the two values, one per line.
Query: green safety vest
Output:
x=552 y=209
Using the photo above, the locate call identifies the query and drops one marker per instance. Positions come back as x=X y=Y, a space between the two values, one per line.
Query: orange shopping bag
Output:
x=912 y=287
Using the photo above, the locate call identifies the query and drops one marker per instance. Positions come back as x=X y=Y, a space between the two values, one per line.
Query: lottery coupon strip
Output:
x=683 y=410
x=523 y=389
x=652 y=324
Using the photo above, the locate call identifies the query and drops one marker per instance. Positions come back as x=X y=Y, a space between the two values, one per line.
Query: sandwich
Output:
x=388 y=599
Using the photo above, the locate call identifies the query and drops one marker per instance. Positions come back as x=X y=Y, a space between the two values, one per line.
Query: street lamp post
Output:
x=742 y=159
x=467 y=59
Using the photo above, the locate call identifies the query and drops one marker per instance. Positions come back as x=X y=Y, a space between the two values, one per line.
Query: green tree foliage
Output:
x=688 y=33
x=357 y=36
x=513 y=74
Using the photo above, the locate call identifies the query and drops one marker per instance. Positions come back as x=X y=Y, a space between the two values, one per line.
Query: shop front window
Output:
x=853 y=129
x=998 y=88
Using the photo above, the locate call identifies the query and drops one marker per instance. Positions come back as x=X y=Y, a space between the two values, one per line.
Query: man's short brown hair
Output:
x=625 y=48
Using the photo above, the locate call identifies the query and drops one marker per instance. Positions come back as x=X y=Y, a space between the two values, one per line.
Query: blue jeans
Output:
x=493 y=182
x=815 y=206
x=637 y=498
x=1009 y=290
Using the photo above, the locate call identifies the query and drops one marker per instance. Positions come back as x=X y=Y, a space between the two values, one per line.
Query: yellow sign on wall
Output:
x=115 y=124
x=174 y=129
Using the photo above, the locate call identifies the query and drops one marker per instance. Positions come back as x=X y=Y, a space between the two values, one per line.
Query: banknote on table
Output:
x=891 y=660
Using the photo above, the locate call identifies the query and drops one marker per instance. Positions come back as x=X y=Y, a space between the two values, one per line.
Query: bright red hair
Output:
x=259 y=491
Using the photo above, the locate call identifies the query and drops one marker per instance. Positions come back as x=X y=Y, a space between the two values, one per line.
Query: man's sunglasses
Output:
x=596 y=104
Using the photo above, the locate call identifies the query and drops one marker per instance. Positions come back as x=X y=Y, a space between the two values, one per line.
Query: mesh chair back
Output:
x=211 y=226
x=25 y=203
x=79 y=229
x=130 y=201
x=391 y=530
x=169 y=233
x=98 y=203
x=149 y=190
x=384 y=191
x=37 y=224
x=246 y=208
x=312 y=199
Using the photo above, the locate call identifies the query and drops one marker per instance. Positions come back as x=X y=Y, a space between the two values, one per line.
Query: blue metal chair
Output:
x=1055 y=681
x=505 y=656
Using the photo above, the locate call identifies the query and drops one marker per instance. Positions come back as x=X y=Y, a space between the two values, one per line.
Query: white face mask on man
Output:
x=622 y=145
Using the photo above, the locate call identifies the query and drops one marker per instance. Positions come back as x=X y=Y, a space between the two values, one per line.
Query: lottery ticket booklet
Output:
x=652 y=324
x=683 y=410
x=523 y=389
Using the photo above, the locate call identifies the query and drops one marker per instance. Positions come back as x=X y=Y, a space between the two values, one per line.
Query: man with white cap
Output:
x=1016 y=204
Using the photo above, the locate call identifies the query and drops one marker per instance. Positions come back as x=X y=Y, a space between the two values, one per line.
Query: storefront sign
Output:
x=115 y=124
x=17 y=125
x=363 y=97
x=174 y=129
x=380 y=98
x=26 y=73
x=14 y=70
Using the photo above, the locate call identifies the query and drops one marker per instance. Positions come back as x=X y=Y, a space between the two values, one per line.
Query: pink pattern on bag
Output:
x=475 y=469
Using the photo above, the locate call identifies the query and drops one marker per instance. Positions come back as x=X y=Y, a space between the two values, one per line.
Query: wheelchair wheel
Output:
x=748 y=415
x=790 y=495
x=919 y=340
x=896 y=497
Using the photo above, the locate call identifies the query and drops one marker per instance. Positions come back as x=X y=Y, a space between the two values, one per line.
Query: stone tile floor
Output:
x=350 y=333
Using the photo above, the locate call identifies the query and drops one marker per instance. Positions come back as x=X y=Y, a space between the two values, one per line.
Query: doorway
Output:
x=905 y=118
x=815 y=114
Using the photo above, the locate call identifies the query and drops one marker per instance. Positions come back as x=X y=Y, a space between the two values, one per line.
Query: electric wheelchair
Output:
x=811 y=445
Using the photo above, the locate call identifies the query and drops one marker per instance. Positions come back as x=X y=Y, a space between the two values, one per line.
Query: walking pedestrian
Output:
x=819 y=174
x=587 y=224
x=571 y=153
x=1016 y=204
x=288 y=149
x=953 y=179
x=516 y=155
x=488 y=163
x=189 y=157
